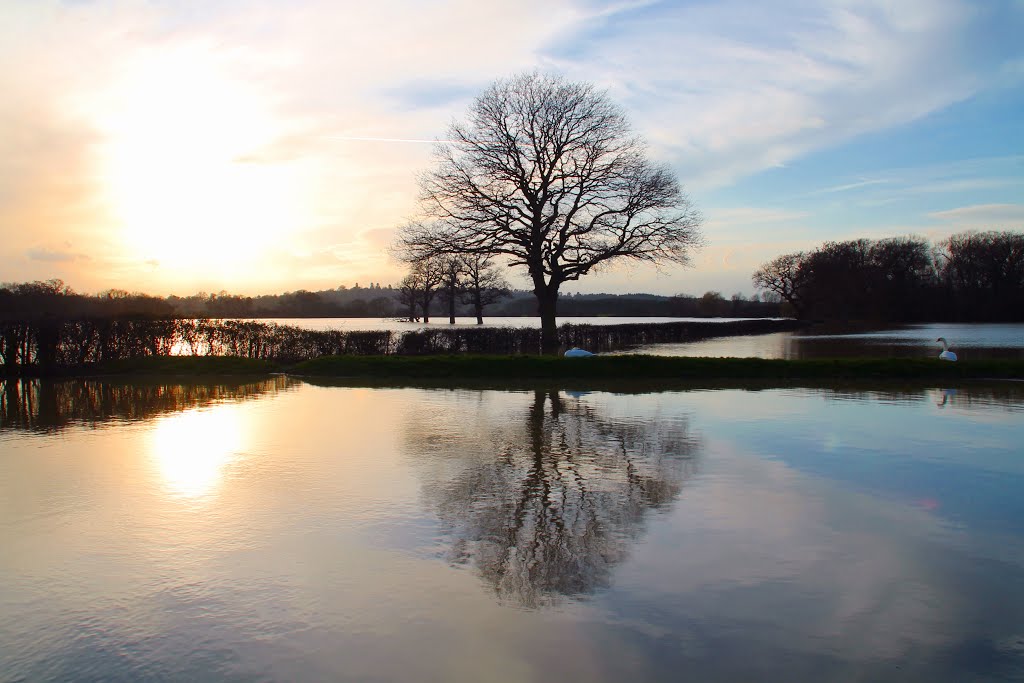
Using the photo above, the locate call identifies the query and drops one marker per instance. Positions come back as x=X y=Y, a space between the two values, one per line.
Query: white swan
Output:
x=946 y=353
x=577 y=353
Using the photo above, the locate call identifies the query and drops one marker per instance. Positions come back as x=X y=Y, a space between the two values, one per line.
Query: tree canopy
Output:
x=968 y=276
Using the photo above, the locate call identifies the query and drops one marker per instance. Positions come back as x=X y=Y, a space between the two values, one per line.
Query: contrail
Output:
x=370 y=139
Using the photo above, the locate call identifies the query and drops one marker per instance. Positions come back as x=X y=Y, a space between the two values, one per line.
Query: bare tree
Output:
x=483 y=284
x=785 y=276
x=428 y=274
x=452 y=270
x=546 y=173
x=409 y=296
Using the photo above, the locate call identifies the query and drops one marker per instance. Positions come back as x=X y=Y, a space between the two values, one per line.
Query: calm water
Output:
x=284 y=531
x=968 y=340
x=460 y=321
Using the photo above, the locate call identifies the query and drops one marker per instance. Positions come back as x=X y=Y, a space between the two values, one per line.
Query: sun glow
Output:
x=180 y=172
x=192 y=449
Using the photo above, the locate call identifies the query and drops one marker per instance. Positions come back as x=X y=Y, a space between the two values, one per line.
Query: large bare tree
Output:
x=547 y=174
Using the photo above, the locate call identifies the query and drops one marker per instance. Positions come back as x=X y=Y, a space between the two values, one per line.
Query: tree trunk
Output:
x=547 y=298
x=478 y=306
x=451 y=306
x=425 y=305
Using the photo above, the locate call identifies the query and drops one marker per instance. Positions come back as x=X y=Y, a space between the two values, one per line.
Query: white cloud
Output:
x=749 y=215
x=728 y=99
x=984 y=216
x=54 y=255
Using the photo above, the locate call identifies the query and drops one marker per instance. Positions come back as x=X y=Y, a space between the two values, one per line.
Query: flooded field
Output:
x=279 y=530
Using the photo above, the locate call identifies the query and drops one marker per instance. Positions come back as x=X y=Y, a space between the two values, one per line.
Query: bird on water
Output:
x=946 y=353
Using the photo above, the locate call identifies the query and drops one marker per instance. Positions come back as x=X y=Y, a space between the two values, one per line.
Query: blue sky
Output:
x=266 y=146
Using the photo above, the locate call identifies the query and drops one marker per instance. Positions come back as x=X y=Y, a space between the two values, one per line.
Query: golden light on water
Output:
x=192 y=450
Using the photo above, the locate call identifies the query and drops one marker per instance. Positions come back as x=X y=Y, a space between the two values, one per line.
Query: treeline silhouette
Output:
x=18 y=300
x=969 y=277
x=710 y=305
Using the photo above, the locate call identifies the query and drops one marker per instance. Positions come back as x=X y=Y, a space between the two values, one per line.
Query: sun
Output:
x=179 y=169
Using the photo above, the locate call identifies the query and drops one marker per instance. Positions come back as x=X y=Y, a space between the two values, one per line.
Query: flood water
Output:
x=441 y=322
x=968 y=340
x=280 y=530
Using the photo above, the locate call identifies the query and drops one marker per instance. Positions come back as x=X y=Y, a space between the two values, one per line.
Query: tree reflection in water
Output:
x=566 y=491
x=43 y=405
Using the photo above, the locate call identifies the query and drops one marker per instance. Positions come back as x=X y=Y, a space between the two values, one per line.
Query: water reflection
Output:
x=944 y=396
x=545 y=502
x=44 y=406
x=971 y=341
x=1006 y=396
x=192 y=449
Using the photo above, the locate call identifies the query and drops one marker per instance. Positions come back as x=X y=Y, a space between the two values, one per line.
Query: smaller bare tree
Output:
x=429 y=273
x=409 y=296
x=452 y=271
x=484 y=284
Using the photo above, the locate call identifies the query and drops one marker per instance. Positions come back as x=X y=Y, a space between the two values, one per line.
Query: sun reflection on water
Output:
x=192 y=450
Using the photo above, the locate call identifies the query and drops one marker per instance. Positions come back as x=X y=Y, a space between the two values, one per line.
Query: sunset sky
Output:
x=258 y=147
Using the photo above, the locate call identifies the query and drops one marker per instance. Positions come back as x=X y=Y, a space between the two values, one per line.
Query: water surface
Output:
x=968 y=340
x=441 y=321
x=278 y=530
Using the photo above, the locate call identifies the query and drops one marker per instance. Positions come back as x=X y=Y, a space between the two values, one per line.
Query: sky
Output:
x=260 y=147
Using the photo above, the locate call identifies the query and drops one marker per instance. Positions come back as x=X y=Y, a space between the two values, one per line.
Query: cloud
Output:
x=54 y=255
x=748 y=215
x=726 y=100
x=985 y=216
x=919 y=188
x=846 y=187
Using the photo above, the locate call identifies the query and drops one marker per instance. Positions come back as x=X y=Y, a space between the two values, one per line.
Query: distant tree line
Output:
x=484 y=290
x=971 y=276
